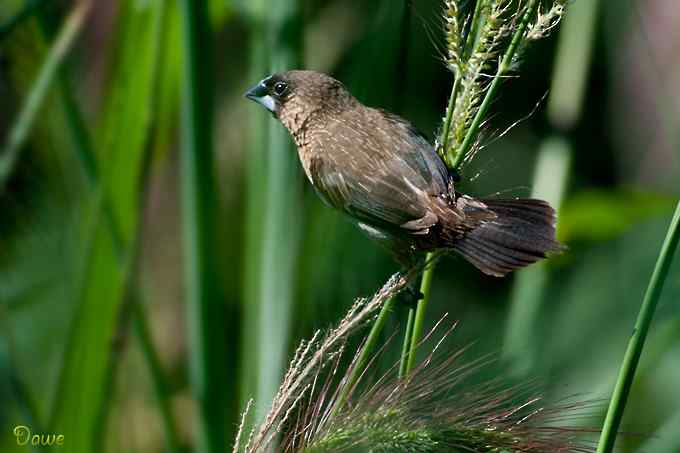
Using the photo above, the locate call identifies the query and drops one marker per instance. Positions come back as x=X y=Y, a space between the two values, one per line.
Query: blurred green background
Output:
x=157 y=266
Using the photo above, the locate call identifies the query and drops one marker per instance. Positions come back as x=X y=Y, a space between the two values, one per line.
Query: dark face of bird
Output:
x=298 y=97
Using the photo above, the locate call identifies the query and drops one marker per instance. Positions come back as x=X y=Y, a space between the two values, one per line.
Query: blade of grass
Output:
x=83 y=148
x=567 y=93
x=29 y=112
x=419 y=317
x=85 y=390
x=637 y=340
x=549 y=184
x=456 y=157
x=366 y=352
x=274 y=213
x=406 y=346
x=255 y=179
x=572 y=64
x=204 y=309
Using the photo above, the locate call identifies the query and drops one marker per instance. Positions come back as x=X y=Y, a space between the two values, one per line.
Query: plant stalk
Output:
x=456 y=157
x=39 y=90
x=631 y=358
x=366 y=351
x=474 y=28
x=419 y=320
x=83 y=147
x=446 y=130
x=406 y=347
x=205 y=321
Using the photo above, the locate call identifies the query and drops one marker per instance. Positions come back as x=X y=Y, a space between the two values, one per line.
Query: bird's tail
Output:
x=522 y=232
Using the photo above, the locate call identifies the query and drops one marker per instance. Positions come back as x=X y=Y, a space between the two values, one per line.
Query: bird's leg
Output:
x=411 y=294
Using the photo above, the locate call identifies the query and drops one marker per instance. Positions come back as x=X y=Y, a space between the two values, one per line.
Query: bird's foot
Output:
x=409 y=297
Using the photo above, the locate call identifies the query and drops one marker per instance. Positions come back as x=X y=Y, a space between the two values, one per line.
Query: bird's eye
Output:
x=280 y=88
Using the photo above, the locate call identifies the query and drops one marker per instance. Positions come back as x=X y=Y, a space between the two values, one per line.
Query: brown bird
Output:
x=375 y=167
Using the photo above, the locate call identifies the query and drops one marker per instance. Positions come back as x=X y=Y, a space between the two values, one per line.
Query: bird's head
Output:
x=293 y=96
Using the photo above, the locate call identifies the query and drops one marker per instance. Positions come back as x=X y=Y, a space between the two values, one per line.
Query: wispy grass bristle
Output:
x=310 y=359
x=440 y=407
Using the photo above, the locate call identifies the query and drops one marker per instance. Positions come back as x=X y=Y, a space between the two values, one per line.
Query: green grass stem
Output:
x=38 y=92
x=549 y=183
x=636 y=343
x=572 y=63
x=369 y=346
x=473 y=33
x=204 y=309
x=419 y=319
x=455 y=157
x=567 y=92
x=82 y=142
x=254 y=195
x=406 y=347
x=450 y=107
x=273 y=213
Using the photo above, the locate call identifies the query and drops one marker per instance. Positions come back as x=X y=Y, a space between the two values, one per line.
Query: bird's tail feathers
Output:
x=522 y=232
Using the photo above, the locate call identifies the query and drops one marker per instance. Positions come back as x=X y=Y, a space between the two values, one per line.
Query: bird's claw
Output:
x=410 y=297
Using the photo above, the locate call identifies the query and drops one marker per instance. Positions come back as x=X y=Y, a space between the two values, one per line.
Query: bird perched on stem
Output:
x=376 y=167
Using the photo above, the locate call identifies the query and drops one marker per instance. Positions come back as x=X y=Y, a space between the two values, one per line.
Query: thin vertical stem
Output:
x=419 y=320
x=474 y=28
x=456 y=157
x=38 y=93
x=446 y=130
x=280 y=214
x=637 y=340
x=83 y=148
x=571 y=68
x=204 y=310
x=406 y=347
x=366 y=351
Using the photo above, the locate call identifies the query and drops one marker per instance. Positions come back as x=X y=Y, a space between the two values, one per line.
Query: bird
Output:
x=379 y=170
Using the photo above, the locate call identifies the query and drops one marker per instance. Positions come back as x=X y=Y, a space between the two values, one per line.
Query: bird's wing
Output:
x=375 y=198
x=381 y=175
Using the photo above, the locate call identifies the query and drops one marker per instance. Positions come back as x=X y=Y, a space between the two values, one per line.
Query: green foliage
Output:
x=599 y=215
x=90 y=223
x=85 y=377
x=204 y=310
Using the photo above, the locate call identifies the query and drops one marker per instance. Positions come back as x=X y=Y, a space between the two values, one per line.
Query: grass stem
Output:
x=406 y=347
x=473 y=33
x=366 y=351
x=82 y=142
x=446 y=130
x=455 y=157
x=419 y=319
x=205 y=318
x=38 y=92
x=637 y=340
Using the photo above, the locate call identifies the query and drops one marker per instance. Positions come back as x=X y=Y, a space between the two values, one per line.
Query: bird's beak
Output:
x=260 y=94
